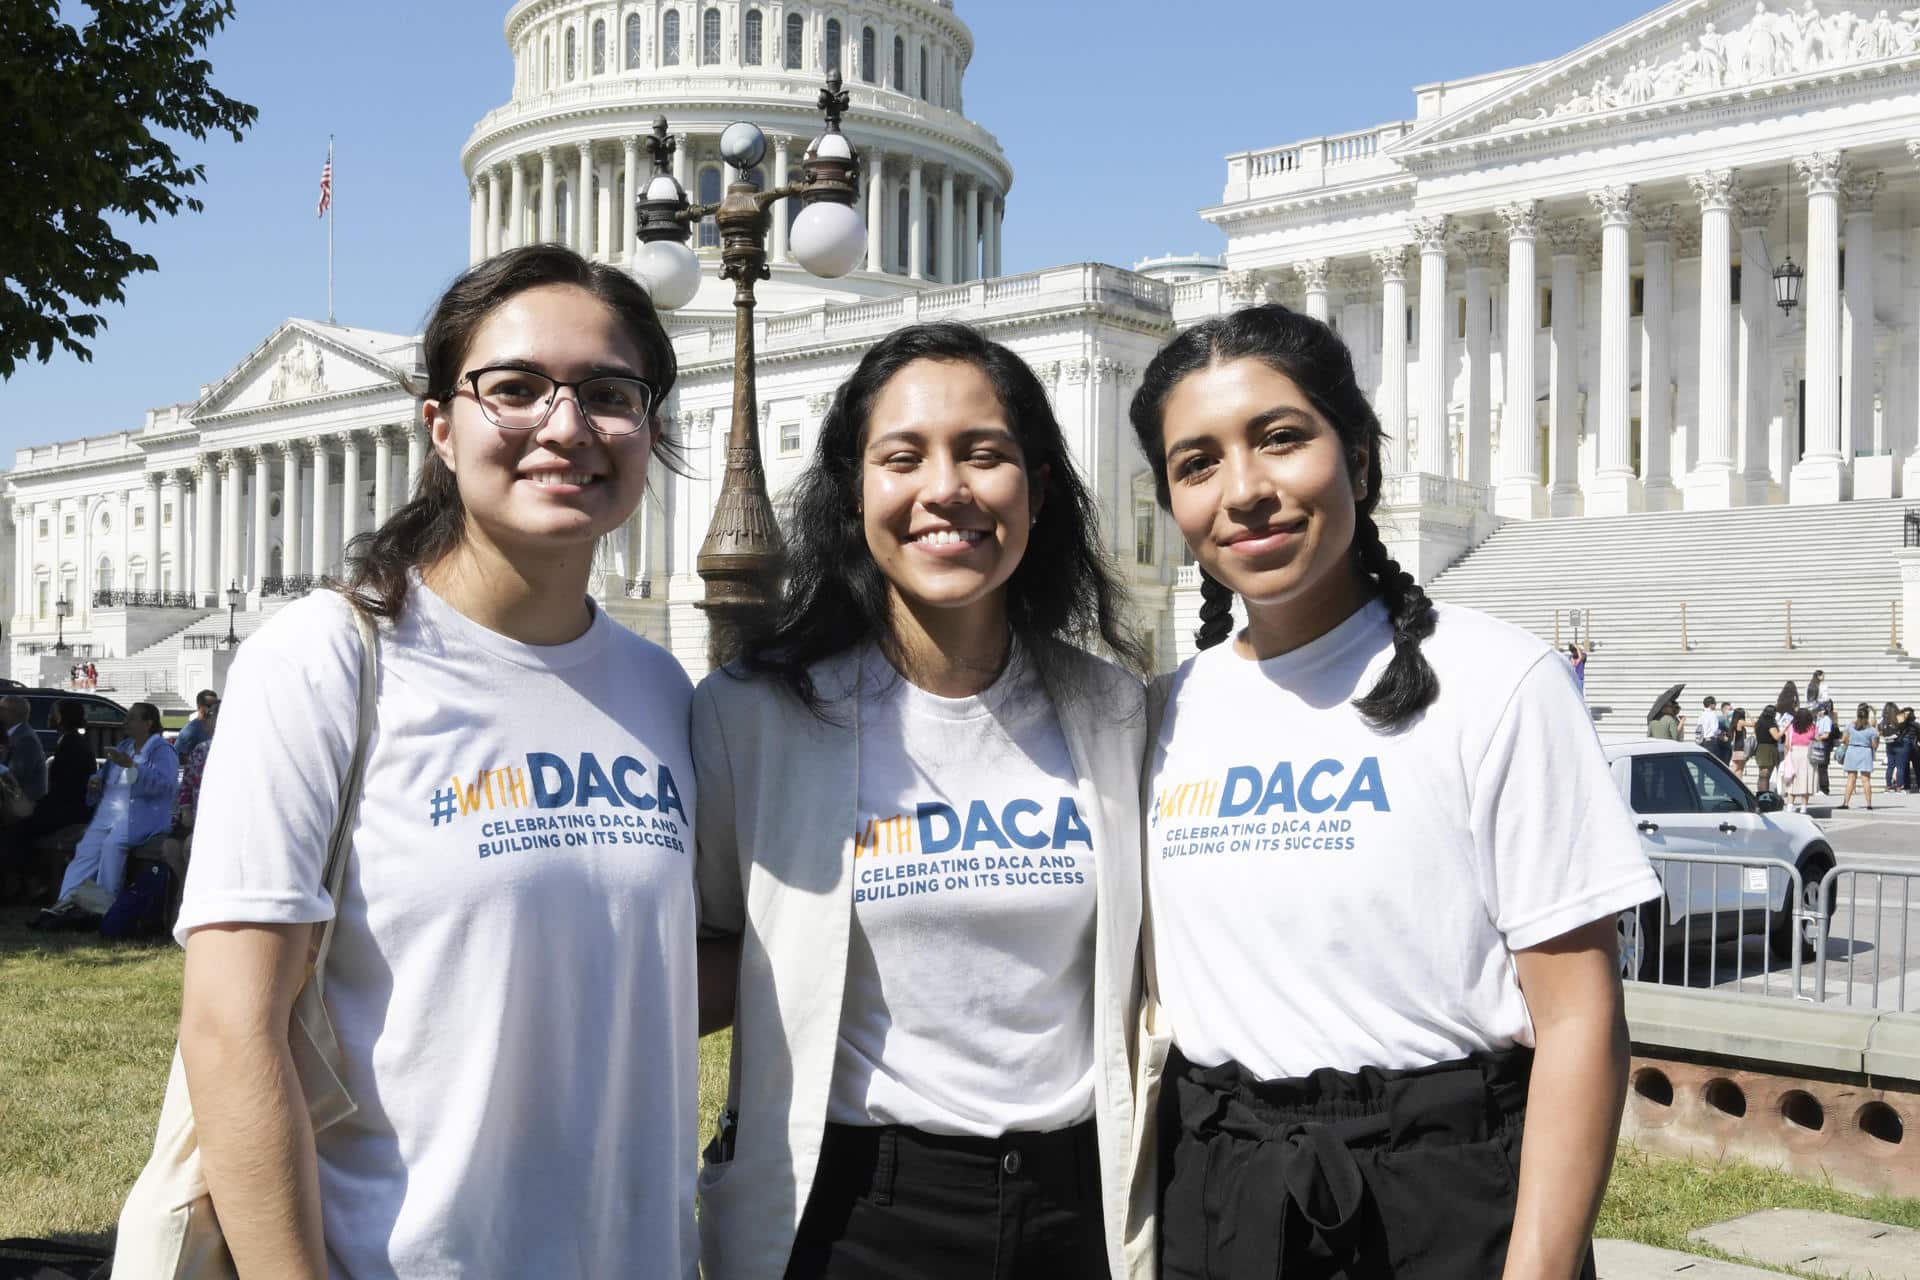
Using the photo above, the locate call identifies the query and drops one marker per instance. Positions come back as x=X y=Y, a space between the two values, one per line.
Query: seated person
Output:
x=65 y=803
x=26 y=758
x=135 y=786
x=192 y=767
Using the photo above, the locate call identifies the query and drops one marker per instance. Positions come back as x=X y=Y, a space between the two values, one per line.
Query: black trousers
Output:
x=1339 y=1175
x=891 y=1202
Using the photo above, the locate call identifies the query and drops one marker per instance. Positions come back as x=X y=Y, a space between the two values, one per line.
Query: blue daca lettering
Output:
x=555 y=784
x=942 y=831
x=1248 y=792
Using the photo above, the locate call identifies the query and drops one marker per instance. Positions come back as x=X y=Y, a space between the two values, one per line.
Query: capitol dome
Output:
x=590 y=77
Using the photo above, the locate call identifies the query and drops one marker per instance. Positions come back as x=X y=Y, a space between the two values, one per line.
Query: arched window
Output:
x=546 y=63
x=709 y=185
x=903 y=230
x=600 y=46
x=750 y=47
x=633 y=41
x=796 y=42
x=571 y=52
x=832 y=50
x=868 y=71
x=670 y=38
x=923 y=76
x=103 y=575
x=899 y=65
x=710 y=38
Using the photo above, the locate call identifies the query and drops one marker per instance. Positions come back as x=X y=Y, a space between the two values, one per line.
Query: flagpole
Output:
x=329 y=233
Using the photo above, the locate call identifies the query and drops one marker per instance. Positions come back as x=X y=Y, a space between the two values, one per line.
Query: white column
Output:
x=1821 y=474
x=999 y=215
x=1434 y=453
x=1520 y=495
x=916 y=222
x=233 y=535
x=483 y=218
x=177 y=533
x=149 y=543
x=1711 y=485
x=416 y=456
x=781 y=253
x=293 y=560
x=583 y=204
x=1756 y=375
x=1656 y=359
x=516 y=218
x=943 y=233
x=876 y=209
x=382 y=475
x=630 y=156
x=1392 y=406
x=989 y=233
x=547 y=176
x=970 y=232
x=320 y=562
x=1615 y=489
x=349 y=490
x=262 y=521
x=1858 y=299
x=1476 y=246
x=1910 y=469
x=23 y=560
x=1565 y=236
x=204 y=567
x=1313 y=278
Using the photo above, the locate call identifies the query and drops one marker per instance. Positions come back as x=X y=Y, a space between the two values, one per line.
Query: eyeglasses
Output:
x=521 y=400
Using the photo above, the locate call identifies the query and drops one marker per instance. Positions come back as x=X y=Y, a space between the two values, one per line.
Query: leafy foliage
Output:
x=88 y=115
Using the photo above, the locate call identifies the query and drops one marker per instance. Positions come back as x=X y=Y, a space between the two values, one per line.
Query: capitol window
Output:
x=833 y=45
x=633 y=42
x=43 y=526
x=709 y=194
x=166 y=514
x=710 y=38
x=923 y=75
x=902 y=226
x=1545 y=306
x=867 y=56
x=139 y=517
x=571 y=58
x=1639 y=307
x=796 y=41
x=899 y=65
x=670 y=38
x=751 y=56
x=103 y=575
x=600 y=47
x=66 y=525
x=1144 y=526
x=789 y=437
x=931 y=263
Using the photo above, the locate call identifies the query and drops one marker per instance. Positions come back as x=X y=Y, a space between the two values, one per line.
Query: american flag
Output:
x=326 y=187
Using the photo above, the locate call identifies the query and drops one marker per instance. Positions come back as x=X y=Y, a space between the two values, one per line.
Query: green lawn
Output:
x=88 y=1029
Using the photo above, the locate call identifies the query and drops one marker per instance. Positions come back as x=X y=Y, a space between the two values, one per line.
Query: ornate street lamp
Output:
x=1787 y=276
x=62 y=610
x=740 y=559
x=234 y=596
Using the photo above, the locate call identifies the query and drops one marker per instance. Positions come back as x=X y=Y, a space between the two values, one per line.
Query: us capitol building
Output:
x=1558 y=282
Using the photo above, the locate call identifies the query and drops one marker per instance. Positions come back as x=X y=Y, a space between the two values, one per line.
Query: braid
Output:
x=1409 y=684
x=1216 y=612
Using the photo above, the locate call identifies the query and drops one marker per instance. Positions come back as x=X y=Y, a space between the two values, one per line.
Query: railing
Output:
x=1423 y=489
x=35 y=647
x=203 y=642
x=1910 y=528
x=639 y=588
x=297 y=585
x=144 y=600
x=1853 y=872
x=1714 y=906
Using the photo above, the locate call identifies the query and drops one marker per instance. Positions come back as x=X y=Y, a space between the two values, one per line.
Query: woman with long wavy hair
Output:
x=919 y=852
x=1385 y=860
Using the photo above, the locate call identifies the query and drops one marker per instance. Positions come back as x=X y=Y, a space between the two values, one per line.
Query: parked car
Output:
x=105 y=717
x=1687 y=802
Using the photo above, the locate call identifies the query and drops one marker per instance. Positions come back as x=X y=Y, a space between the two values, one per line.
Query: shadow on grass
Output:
x=84 y=949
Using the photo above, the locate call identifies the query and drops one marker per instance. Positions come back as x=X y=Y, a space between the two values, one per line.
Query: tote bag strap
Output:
x=316 y=1049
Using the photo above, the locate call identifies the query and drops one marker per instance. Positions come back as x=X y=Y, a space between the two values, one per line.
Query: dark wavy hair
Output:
x=1312 y=355
x=429 y=527
x=1062 y=592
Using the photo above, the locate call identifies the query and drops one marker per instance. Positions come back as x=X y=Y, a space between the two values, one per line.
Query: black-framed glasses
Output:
x=516 y=399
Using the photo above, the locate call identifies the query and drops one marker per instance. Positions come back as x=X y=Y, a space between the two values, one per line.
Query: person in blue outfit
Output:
x=1862 y=738
x=133 y=791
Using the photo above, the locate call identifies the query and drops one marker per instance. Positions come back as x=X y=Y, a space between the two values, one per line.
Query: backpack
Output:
x=141 y=909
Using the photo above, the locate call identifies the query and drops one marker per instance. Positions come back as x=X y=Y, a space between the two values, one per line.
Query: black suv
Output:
x=105 y=717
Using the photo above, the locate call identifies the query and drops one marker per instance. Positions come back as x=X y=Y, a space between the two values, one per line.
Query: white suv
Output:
x=1687 y=802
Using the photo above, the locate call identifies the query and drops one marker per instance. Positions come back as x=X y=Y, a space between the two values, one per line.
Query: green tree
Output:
x=88 y=112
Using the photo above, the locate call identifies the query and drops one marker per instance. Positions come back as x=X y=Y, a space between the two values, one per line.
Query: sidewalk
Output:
x=1821 y=1244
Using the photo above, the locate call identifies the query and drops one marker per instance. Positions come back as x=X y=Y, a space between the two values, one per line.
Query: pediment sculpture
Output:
x=1770 y=45
x=300 y=371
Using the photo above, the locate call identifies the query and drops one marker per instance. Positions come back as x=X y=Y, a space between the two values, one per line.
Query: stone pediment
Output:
x=300 y=361
x=1689 y=50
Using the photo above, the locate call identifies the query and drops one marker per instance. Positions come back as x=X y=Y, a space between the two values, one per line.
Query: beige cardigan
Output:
x=776 y=814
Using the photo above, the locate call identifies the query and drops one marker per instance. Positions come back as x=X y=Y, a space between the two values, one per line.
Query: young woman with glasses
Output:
x=1385 y=858
x=512 y=970
x=919 y=850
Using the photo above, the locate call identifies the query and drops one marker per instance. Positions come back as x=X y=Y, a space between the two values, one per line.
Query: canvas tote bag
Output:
x=168 y=1230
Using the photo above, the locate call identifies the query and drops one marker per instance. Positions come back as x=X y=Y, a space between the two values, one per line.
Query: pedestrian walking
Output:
x=1667 y=723
x=1740 y=730
x=514 y=1003
x=1796 y=769
x=1714 y=732
x=1862 y=738
x=1817 y=691
x=1889 y=735
x=1767 y=737
x=1820 y=750
x=1339 y=1086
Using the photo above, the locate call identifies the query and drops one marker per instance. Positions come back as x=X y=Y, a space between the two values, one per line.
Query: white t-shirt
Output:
x=1327 y=895
x=969 y=997
x=512 y=975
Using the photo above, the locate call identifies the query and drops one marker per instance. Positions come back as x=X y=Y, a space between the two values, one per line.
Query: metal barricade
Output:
x=1717 y=898
x=1906 y=873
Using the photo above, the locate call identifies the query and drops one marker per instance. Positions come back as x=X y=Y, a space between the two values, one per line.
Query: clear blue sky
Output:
x=1116 y=115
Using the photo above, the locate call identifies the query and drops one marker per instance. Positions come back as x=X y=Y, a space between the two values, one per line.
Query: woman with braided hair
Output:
x=1384 y=861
